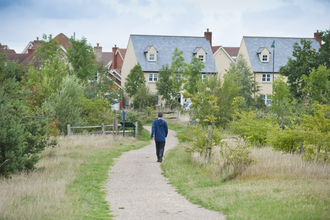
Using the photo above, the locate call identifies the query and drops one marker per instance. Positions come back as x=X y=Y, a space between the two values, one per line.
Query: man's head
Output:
x=160 y=115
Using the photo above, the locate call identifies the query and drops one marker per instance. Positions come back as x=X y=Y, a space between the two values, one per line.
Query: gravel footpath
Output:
x=136 y=189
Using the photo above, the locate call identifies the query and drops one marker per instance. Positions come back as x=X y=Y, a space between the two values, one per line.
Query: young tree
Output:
x=81 y=57
x=317 y=84
x=164 y=84
x=281 y=100
x=193 y=75
x=178 y=68
x=134 y=80
x=249 y=86
x=66 y=103
x=304 y=59
x=22 y=133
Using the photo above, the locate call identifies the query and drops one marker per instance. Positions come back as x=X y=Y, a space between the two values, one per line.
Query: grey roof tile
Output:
x=165 y=46
x=283 y=50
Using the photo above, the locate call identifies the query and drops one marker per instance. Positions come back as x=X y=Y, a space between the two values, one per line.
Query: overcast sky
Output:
x=110 y=22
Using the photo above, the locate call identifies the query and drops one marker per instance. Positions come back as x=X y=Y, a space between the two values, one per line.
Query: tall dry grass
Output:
x=41 y=194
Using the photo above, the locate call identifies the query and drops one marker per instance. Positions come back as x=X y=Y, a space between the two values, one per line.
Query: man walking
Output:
x=159 y=130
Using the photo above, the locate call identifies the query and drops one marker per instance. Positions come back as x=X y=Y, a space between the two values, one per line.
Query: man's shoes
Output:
x=160 y=158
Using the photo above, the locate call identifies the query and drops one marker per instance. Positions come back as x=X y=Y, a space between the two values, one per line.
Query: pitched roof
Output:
x=232 y=51
x=283 y=50
x=106 y=57
x=63 y=40
x=166 y=45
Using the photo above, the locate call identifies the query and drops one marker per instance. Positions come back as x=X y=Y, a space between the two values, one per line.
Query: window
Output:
x=178 y=75
x=153 y=77
x=152 y=57
x=267 y=99
x=264 y=58
x=203 y=77
x=266 y=77
x=201 y=58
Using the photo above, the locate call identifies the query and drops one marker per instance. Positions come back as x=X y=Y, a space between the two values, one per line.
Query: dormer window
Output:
x=263 y=54
x=200 y=53
x=151 y=53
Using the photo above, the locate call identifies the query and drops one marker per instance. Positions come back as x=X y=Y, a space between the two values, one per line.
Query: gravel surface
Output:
x=136 y=189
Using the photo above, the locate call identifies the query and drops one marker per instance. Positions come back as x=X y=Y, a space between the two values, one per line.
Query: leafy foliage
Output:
x=234 y=160
x=66 y=103
x=144 y=98
x=164 y=85
x=22 y=134
x=134 y=80
x=249 y=87
x=304 y=59
x=317 y=84
x=81 y=57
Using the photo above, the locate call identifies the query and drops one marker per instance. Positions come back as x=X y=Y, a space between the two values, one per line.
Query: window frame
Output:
x=264 y=79
x=152 y=55
x=266 y=99
x=201 y=57
x=154 y=77
x=267 y=58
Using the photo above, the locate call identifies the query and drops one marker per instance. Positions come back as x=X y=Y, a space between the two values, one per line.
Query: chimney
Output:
x=98 y=52
x=30 y=52
x=208 y=36
x=115 y=57
x=37 y=38
x=317 y=37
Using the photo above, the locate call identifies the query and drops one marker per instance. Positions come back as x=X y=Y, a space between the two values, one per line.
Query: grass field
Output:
x=68 y=183
x=276 y=186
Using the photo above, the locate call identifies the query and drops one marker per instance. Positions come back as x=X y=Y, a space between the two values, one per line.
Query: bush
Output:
x=234 y=160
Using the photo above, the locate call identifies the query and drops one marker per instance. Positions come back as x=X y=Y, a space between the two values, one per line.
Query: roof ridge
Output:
x=281 y=37
x=165 y=36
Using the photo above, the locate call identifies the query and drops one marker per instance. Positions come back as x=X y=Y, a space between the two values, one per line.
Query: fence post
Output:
x=69 y=130
x=136 y=129
x=177 y=115
x=115 y=126
x=103 y=132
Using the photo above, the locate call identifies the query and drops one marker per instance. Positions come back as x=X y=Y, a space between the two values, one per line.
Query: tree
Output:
x=22 y=133
x=304 y=59
x=249 y=86
x=134 y=80
x=281 y=99
x=193 y=75
x=325 y=48
x=317 y=84
x=81 y=57
x=103 y=87
x=229 y=89
x=178 y=68
x=66 y=103
x=164 y=84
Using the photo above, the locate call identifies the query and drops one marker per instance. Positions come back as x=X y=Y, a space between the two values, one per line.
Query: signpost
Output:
x=124 y=118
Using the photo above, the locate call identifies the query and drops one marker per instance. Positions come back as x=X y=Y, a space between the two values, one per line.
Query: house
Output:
x=265 y=61
x=152 y=52
x=28 y=53
x=223 y=56
x=113 y=61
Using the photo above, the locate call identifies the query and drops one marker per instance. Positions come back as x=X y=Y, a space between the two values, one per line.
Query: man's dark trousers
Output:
x=160 y=148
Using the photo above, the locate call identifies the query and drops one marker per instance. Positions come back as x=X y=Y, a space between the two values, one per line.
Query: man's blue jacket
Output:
x=159 y=129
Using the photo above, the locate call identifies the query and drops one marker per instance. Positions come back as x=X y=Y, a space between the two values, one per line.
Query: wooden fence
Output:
x=114 y=126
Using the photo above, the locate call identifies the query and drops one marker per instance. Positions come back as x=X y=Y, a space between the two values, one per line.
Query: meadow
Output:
x=274 y=186
x=69 y=179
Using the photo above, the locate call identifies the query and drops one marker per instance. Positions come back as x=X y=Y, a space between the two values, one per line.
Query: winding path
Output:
x=136 y=189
